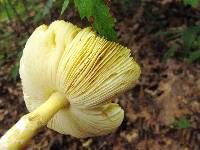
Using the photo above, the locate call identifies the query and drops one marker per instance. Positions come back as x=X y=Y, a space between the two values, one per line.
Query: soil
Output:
x=166 y=91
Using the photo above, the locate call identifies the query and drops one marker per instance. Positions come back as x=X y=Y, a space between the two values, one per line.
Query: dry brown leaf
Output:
x=173 y=99
x=160 y=143
x=130 y=136
x=133 y=116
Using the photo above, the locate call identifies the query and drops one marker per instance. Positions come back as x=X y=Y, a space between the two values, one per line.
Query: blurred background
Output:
x=162 y=112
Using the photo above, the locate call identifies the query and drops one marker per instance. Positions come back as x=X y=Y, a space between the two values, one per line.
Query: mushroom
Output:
x=69 y=77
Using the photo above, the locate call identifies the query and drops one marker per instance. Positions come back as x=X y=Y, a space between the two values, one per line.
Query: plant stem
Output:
x=17 y=137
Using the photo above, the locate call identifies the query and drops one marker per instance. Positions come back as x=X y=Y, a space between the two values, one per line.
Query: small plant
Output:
x=193 y=3
x=181 y=123
x=186 y=43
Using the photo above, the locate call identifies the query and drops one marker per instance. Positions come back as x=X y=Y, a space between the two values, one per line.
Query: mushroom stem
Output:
x=28 y=125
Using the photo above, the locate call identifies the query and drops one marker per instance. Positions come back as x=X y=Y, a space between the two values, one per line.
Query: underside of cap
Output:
x=87 y=69
x=87 y=123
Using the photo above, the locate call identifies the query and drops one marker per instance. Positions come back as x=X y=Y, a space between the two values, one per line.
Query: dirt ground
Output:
x=165 y=92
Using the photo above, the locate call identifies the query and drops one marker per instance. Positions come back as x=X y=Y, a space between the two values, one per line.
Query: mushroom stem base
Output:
x=18 y=136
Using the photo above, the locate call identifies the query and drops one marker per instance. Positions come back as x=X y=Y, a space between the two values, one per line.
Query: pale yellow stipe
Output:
x=17 y=137
x=86 y=69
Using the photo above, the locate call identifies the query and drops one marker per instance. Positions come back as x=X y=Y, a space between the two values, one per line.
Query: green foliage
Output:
x=186 y=42
x=194 y=56
x=15 y=20
x=97 y=10
x=181 y=123
x=193 y=3
x=97 y=13
x=64 y=6
x=189 y=37
x=45 y=11
x=14 y=72
x=8 y=9
x=47 y=7
x=170 y=52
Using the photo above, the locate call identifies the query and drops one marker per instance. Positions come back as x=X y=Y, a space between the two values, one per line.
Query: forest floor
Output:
x=162 y=112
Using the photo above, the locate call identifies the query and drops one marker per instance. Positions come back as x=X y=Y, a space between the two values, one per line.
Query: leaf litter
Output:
x=165 y=93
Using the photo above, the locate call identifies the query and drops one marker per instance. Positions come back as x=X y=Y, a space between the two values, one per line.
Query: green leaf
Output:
x=163 y=33
x=47 y=7
x=193 y=56
x=14 y=72
x=170 y=52
x=103 y=21
x=64 y=6
x=45 y=12
x=181 y=123
x=193 y=3
x=188 y=37
x=169 y=35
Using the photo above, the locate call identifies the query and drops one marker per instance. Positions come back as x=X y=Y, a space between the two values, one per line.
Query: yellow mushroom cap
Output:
x=87 y=69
